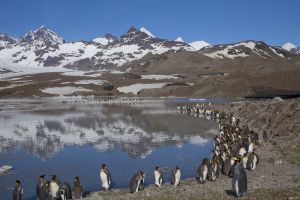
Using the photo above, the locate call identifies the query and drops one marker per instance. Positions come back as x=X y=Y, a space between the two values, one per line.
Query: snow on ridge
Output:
x=144 y=30
x=288 y=46
x=101 y=40
x=199 y=44
x=274 y=51
x=179 y=39
x=238 y=53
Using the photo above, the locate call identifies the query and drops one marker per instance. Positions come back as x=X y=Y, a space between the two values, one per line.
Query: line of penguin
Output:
x=56 y=190
x=233 y=153
x=233 y=149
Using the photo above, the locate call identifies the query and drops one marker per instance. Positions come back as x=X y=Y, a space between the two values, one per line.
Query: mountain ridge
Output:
x=43 y=47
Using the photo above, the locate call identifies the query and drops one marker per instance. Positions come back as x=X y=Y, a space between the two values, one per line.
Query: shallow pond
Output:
x=44 y=137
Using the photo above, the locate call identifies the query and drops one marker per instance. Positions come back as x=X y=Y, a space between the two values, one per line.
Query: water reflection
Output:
x=45 y=129
x=74 y=140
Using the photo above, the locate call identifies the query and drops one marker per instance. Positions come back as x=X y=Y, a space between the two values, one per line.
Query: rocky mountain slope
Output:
x=44 y=48
x=145 y=65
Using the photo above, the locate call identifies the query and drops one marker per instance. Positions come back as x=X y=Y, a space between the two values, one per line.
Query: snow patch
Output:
x=197 y=45
x=64 y=90
x=144 y=30
x=87 y=82
x=135 y=88
x=159 y=77
x=179 y=39
x=288 y=46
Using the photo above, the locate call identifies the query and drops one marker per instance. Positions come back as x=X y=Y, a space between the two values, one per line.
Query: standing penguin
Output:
x=54 y=187
x=77 y=190
x=252 y=161
x=202 y=171
x=158 y=175
x=39 y=186
x=42 y=189
x=105 y=177
x=227 y=166
x=175 y=177
x=239 y=180
x=212 y=170
x=65 y=191
x=18 y=191
x=137 y=182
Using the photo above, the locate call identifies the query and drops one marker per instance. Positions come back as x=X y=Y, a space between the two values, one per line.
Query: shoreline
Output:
x=277 y=175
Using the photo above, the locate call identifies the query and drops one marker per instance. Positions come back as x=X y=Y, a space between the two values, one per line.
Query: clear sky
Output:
x=215 y=21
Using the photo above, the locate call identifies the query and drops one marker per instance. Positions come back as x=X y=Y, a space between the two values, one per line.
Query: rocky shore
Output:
x=278 y=173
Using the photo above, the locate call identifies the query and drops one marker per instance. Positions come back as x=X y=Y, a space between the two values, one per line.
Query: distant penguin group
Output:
x=233 y=151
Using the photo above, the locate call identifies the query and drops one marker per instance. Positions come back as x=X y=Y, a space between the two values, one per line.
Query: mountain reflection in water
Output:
x=69 y=140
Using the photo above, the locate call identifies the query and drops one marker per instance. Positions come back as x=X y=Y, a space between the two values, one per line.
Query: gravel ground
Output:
x=277 y=175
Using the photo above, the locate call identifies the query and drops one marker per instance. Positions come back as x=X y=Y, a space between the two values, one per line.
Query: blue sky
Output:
x=215 y=21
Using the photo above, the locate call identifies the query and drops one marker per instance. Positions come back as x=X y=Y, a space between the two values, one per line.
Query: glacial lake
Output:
x=68 y=140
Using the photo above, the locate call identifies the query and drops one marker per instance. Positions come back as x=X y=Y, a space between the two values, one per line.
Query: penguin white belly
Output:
x=177 y=177
x=254 y=163
x=242 y=151
x=205 y=171
x=214 y=172
x=157 y=179
x=104 y=180
x=245 y=162
x=250 y=148
x=236 y=185
x=138 y=185
x=63 y=197
x=53 y=189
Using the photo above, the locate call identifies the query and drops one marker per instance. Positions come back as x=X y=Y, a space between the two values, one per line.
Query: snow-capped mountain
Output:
x=245 y=49
x=199 y=44
x=42 y=35
x=43 y=47
x=179 y=39
x=291 y=48
x=6 y=40
x=143 y=29
x=288 y=46
x=106 y=39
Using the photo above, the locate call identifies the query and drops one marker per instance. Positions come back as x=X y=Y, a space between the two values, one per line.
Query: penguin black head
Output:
x=54 y=177
x=103 y=166
x=141 y=173
x=177 y=167
x=76 y=179
x=157 y=168
x=18 y=182
x=42 y=176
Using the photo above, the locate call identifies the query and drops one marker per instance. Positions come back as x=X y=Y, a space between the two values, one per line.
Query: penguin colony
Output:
x=233 y=153
x=233 y=149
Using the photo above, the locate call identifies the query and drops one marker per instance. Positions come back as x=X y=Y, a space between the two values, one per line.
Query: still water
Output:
x=45 y=137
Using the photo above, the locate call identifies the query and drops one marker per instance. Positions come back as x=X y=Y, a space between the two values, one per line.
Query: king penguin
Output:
x=158 y=176
x=18 y=191
x=137 y=182
x=42 y=188
x=202 y=171
x=105 y=177
x=65 y=191
x=77 y=190
x=175 y=176
x=239 y=180
x=252 y=161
